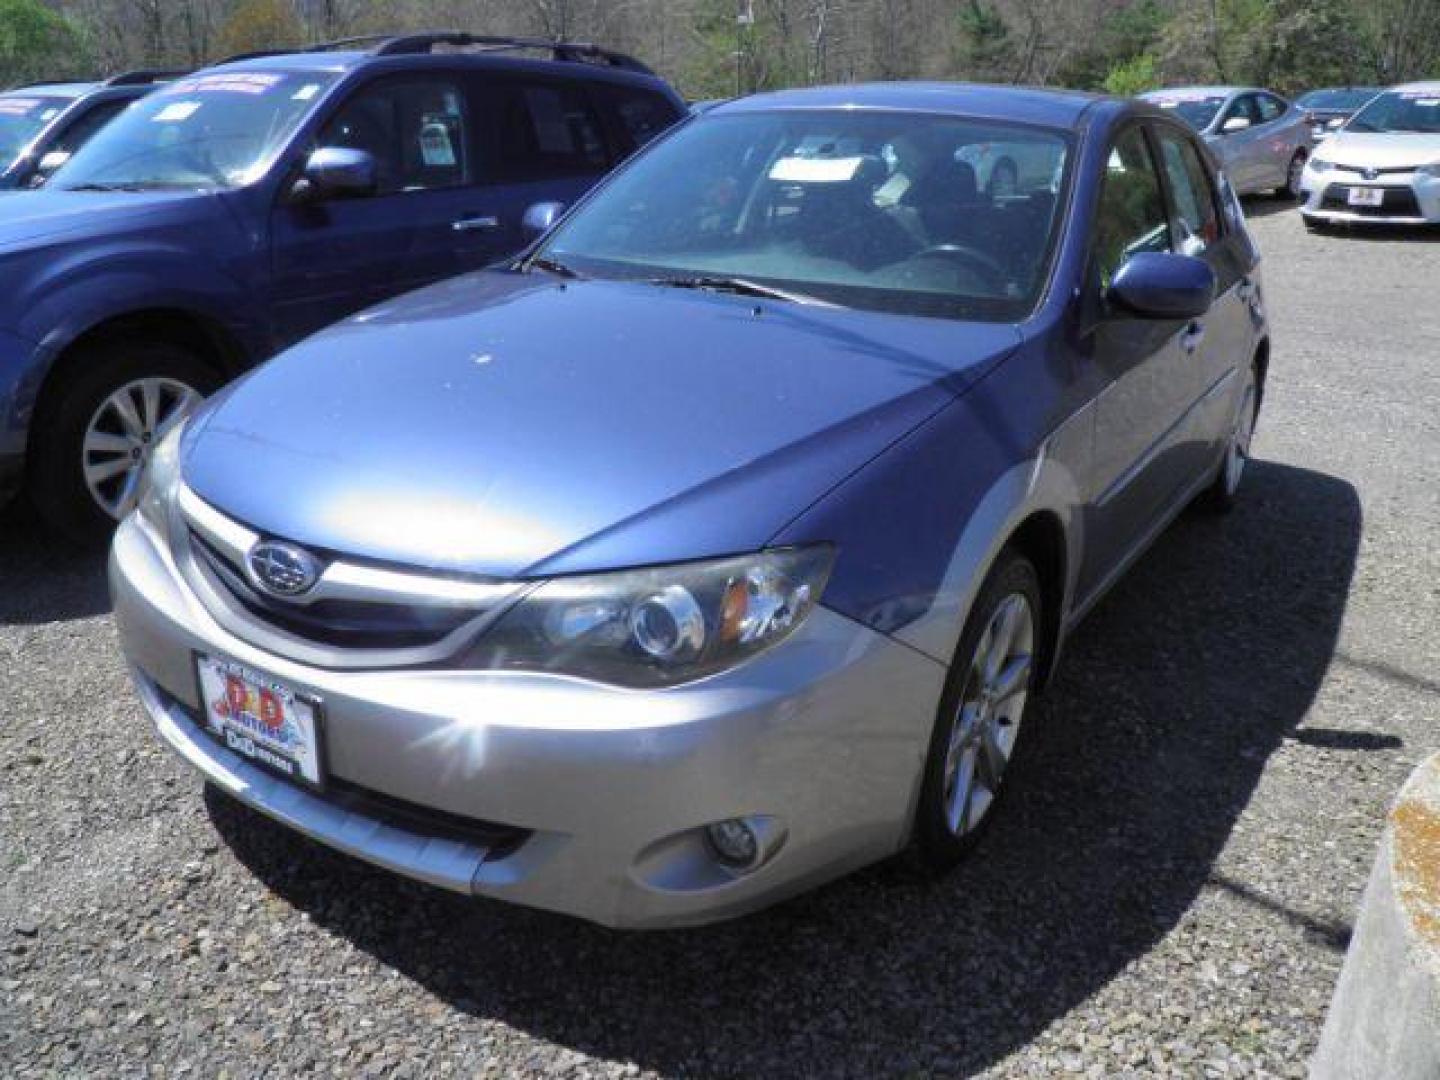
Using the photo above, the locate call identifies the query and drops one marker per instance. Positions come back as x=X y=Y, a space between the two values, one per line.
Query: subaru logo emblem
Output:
x=283 y=569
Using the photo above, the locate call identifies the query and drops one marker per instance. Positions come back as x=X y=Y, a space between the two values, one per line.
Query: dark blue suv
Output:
x=43 y=124
x=238 y=209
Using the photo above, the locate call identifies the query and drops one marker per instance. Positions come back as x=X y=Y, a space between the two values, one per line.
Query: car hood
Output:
x=28 y=218
x=508 y=424
x=1383 y=150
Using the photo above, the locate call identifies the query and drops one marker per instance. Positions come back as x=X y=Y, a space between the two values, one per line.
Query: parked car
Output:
x=1382 y=166
x=1262 y=140
x=717 y=545
x=42 y=124
x=238 y=209
x=1331 y=107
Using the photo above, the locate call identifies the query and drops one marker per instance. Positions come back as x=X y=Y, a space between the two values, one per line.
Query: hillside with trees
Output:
x=712 y=48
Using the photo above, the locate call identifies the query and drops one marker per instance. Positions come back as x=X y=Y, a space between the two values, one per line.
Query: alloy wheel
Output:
x=122 y=434
x=1238 y=452
x=987 y=722
x=1292 y=177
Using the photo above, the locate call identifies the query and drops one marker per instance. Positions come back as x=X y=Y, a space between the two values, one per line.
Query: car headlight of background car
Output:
x=161 y=479
x=1432 y=170
x=1318 y=164
x=659 y=626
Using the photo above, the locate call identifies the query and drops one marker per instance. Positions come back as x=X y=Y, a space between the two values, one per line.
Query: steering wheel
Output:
x=987 y=269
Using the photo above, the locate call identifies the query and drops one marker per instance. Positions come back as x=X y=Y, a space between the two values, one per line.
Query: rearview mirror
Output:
x=1160 y=285
x=1235 y=123
x=337 y=172
x=539 y=219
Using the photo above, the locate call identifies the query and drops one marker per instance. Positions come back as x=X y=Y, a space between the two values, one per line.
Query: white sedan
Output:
x=1382 y=166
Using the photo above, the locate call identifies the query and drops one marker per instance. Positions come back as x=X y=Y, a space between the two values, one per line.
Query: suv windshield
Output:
x=1198 y=109
x=915 y=214
x=1400 y=110
x=21 y=118
x=216 y=130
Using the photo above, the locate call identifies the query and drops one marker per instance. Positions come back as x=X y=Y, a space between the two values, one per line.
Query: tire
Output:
x=1290 y=190
x=1004 y=179
x=948 y=823
x=84 y=406
x=1223 y=493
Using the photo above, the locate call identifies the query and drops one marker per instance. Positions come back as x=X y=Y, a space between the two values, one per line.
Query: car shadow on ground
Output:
x=43 y=579
x=1172 y=696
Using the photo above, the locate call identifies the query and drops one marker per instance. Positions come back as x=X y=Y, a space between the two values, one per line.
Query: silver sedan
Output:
x=1262 y=140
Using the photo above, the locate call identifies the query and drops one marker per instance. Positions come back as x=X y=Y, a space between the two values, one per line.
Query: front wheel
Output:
x=982 y=711
x=93 y=443
x=1221 y=496
x=1291 y=191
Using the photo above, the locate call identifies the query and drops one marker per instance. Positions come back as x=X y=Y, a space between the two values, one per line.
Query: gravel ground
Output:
x=1171 y=893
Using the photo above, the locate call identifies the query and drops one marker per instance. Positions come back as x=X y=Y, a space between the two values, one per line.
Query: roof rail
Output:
x=579 y=52
x=573 y=51
x=143 y=76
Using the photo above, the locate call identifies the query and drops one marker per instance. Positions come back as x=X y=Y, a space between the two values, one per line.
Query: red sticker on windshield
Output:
x=234 y=82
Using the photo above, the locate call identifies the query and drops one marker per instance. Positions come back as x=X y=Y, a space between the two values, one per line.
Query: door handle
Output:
x=1191 y=337
x=475 y=224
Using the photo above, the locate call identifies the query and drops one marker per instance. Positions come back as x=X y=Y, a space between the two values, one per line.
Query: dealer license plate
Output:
x=263 y=720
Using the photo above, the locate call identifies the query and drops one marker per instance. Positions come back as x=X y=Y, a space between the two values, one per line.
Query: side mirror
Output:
x=336 y=172
x=539 y=219
x=1160 y=285
x=1235 y=123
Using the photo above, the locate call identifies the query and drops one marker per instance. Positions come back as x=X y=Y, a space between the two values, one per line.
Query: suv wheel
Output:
x=981 y=713
x=92 y=446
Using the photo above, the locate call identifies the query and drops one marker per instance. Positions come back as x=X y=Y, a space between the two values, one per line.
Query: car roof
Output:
x=1054 y=108
x=1209 y=91
x=1428 y=86
x=61 y=90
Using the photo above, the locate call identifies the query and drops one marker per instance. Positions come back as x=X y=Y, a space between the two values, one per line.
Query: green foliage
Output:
x=1125 y=35
x=1131 y=77
x=985 y=51
x=36 y=43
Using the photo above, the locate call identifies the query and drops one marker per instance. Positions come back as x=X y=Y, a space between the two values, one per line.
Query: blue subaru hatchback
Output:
x=236 y=210
x=718 y=545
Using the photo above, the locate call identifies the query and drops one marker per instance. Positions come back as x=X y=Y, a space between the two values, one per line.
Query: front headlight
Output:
x=161 y=479
x=1433 y=169
x=660 y=626
x=1319 y=164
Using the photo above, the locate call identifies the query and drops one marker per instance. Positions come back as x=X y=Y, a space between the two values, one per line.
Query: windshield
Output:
x=916 y=214
x=207 y=131
x=1400 y=110
x=21 y=118
x=1338 y=100
x=1197 y=110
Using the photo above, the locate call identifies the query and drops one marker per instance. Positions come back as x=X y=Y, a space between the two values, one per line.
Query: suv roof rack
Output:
x=580 y=52
x=142 y=76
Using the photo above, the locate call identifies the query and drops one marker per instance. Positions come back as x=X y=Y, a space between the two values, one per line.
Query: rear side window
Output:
x=1131 y=217
x=548 y=130
x=416 y=129
x=641 y=114
x=78 y=133
x=1196 y=218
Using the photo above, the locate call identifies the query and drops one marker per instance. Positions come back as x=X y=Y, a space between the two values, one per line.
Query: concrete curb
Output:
x=1384 y=1019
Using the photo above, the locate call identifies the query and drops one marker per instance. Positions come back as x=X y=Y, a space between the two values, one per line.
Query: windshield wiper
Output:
x=553 y=266
x=740 y=287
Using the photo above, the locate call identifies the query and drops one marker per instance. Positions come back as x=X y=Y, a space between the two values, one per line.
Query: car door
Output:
x=332 y=258
x=1222 y=340
x=1241 y=150
x=547 y=142
x=1143 y=365
x=1276 y=142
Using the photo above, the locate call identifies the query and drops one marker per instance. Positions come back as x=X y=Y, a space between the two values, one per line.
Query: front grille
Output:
x=1398 y=202
x=343 y=624
x=1360 y=169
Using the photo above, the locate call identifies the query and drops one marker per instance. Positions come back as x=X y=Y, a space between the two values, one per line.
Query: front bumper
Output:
x=1409 y=198
x=608 y=789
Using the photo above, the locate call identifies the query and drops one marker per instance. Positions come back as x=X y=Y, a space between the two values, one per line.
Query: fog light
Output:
x=735 y=843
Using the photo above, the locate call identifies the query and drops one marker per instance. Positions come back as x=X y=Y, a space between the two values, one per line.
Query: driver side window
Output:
x=415 y=129
x=1131 y=217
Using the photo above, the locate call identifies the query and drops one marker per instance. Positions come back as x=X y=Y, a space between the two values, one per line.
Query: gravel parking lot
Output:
x=1171 y=892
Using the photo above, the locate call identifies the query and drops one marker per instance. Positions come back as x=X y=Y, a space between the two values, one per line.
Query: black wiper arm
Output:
x=101 y=187
x=553 y=266
x=739 y=286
